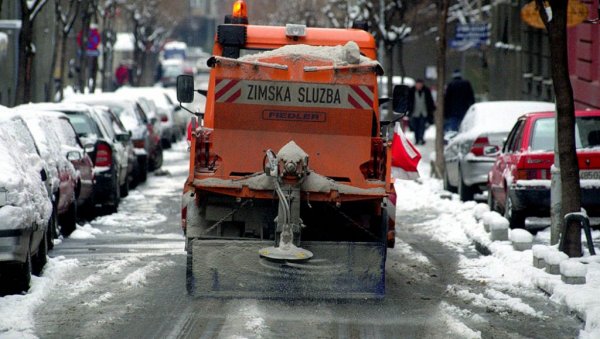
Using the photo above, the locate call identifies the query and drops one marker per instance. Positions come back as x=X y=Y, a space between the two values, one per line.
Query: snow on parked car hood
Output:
x=27 y=198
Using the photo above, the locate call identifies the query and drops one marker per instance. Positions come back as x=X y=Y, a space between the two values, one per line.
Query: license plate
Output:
x=589 y=174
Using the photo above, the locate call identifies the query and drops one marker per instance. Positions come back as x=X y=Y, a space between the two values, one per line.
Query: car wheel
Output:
x=516 y=219
x=166 y=143
x=447 y=185
x=464 y=191
x=87 y=211
x=491 y=201
x=125 y=189
x=52 y=231
x=114 y=205
x=41 y=257
x=142 y=172
x=158 y=159
x=19 y=276
x=68 y=221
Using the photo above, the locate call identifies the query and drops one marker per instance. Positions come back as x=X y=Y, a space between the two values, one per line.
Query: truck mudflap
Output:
x=234 y=269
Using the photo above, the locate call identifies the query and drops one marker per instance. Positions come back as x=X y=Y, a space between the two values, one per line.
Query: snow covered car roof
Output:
x=498 y=116
x=48 y=141
x=59 y=107
x=157 y=94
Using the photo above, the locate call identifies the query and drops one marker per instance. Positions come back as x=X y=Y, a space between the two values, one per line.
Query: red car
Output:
x=519 y=181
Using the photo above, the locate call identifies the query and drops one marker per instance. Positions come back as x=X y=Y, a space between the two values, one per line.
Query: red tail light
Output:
x=103 y=156
x=479 y=145
x=164 y=118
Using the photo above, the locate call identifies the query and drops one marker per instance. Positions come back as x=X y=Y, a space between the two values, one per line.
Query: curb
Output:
x=483 y=249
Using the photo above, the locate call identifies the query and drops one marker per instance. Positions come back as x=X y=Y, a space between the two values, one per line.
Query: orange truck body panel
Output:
x=332 y=115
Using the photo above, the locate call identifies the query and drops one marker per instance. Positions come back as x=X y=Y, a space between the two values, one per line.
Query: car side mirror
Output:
x=88 y=148
x=123 y=137
x=450 y=135
x=400 y=99
x=74 y=155
x=185 y=88
x=491 y=151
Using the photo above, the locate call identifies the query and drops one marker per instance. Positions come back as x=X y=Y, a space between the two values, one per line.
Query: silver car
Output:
x=471 y=152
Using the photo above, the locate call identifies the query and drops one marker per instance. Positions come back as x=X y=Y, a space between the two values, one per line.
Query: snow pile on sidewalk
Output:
x=505 y=270
x=17 y=311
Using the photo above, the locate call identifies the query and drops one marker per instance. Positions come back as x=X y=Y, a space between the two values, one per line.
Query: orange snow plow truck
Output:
x=289 y=192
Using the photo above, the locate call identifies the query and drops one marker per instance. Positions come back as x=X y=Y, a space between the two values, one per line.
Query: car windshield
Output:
x=84 y=125
x=587 y=133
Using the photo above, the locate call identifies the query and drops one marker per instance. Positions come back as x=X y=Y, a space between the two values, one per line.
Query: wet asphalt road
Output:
x=130 y=283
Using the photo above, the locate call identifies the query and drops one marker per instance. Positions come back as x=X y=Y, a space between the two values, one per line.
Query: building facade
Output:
x=520 y=57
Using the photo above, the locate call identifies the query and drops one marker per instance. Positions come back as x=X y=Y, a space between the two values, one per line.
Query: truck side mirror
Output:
x=185 y=88
x=400 y=99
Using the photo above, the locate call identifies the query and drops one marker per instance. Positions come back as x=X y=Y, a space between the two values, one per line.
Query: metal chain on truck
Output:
x=222 y=220
x=353 y=222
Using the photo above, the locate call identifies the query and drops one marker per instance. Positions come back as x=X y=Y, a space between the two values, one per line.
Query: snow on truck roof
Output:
x=348 y=54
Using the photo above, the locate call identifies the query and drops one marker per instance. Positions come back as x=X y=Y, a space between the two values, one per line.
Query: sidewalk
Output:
x=501 y=264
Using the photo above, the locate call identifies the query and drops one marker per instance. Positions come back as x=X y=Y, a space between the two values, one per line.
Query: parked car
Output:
x=25 y=206
x=119 y=134
x=166 y=111
x=485 y=124
x=61 y=173
x=108 y=157
x=519 y=181
x=181 y=116
x=75 y=152
x=145 y=140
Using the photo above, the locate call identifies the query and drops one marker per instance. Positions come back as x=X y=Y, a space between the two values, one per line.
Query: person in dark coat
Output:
x=421 y=109
x=457 y=100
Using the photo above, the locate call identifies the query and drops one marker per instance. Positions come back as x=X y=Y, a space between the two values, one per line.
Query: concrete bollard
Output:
x=572 y=272
x=539 y=253
x=488 y=219
x=553 y=259
x=499 y=229
x=479 y=210
x=521 y=240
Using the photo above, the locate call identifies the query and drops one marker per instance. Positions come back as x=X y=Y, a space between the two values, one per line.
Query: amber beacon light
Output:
x=239 y=9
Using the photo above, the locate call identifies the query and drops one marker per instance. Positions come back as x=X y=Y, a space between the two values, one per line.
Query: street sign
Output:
x=576 y=14
x=471 y=35
x=93 y=39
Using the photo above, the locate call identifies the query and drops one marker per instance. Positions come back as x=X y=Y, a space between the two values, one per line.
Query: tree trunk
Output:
x=85 y=31
x=389 y=65
x=52 y=93
x=441 y=83
x=63 y=64
x=25 y=57
x=565 y=115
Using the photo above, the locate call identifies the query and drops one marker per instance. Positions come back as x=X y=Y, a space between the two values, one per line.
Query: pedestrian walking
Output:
x=420 y=108
x=457 y=100
x=122 y=75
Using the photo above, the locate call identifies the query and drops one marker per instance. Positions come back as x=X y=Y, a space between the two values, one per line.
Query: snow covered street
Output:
x=123 y=275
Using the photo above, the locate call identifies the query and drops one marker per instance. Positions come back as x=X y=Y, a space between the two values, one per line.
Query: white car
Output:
x=165 y=109
x=485 y=125
x=25 y=206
